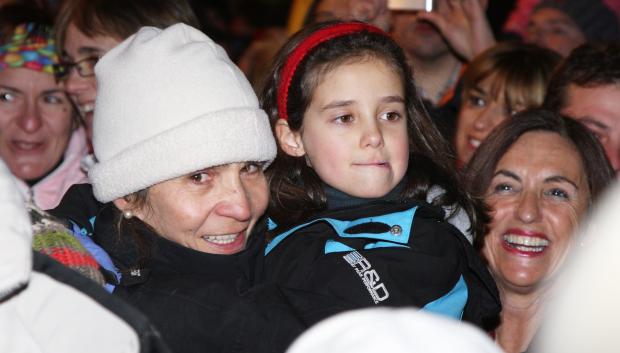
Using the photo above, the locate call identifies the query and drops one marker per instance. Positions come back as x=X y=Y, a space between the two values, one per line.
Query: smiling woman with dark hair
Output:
x=539 y=173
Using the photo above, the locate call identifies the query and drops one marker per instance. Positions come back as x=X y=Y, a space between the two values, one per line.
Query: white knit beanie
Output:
x=170 y=102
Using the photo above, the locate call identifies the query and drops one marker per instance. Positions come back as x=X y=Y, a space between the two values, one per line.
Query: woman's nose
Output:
x=30 y=119
x=484 y=120
x=528 y=208
x=235 y=202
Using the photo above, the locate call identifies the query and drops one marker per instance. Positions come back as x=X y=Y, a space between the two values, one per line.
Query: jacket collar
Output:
x=166 y=257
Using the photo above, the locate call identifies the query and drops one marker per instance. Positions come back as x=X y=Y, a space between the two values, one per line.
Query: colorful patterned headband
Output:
x=31 y=47
x=300 y=52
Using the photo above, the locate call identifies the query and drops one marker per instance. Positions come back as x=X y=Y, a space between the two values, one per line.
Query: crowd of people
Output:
x=381 y=179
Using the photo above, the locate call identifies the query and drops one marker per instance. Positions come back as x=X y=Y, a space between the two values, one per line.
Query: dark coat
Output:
x=386 y=253
x=204 y=302
x=198 y=301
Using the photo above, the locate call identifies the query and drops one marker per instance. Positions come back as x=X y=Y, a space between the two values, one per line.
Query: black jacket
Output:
x=203 y=302
x=198 y=301
x=386 y=253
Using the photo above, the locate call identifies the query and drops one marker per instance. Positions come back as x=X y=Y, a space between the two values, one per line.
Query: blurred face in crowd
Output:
x=599 y=109
x=84 y=51
x=553 y=29
x=538 y=195
x=327 y=10
x=420 y=39
x=374 y=12
x=212 y=210
x=35 y=122
x=481 y=111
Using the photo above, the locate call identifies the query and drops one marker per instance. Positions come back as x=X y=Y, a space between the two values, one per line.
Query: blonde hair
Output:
x=519 y=73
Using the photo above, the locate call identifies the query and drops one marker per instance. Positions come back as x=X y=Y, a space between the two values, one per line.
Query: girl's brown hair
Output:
x=296 y=190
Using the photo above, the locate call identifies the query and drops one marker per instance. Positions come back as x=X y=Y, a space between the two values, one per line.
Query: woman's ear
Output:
x=126 y=207
x=121 y=204
x=289 y=140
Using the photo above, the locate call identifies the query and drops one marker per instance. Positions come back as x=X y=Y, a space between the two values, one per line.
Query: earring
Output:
x=127 y=214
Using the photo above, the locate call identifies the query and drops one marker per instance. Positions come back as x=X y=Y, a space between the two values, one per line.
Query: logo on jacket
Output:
x=369 y=277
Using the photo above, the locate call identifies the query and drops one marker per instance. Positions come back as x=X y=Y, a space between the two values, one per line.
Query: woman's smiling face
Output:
x=538 y=195
x=211 y=210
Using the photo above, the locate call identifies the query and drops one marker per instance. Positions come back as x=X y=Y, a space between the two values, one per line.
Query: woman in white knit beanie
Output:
x=181 y=146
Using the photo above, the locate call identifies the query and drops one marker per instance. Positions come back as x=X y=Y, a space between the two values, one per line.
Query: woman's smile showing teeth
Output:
x=222 y=239
x=86 y=108
x=523 y=244
x=474 y=142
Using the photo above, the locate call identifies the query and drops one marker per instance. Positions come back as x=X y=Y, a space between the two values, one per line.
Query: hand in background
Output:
x=463 y=24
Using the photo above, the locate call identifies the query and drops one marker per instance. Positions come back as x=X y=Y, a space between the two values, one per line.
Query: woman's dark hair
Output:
x=296 y=190
x=120 y=18
x=481 y=168
x=135 y=227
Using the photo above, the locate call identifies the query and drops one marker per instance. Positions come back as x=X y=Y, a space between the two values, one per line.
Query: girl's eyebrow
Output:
x=393 y=99
x=337 y=104
x=345 y=103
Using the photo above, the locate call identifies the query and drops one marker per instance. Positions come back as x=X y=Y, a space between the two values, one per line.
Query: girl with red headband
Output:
x=357 y=160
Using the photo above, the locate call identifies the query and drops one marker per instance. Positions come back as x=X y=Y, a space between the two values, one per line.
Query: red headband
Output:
x=300 y=52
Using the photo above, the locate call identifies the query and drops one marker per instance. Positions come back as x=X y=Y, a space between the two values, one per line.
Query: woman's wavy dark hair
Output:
x=296 y=190
x=481 y=168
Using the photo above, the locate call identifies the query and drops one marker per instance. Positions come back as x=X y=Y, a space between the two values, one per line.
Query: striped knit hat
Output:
x=54 y=239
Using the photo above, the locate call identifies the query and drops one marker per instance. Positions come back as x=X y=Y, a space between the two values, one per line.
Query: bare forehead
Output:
x=547 y=148
x=318 y=73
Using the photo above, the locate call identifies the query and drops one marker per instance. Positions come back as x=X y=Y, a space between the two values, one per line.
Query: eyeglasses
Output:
x=85 y=68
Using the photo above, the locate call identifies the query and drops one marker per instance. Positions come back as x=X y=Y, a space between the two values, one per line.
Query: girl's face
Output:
x=212 y=210
x=354 y=131
x=538 y=195
x=480 y=113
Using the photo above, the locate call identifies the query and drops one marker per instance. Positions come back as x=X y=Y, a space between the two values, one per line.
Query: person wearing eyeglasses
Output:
x=41 y=140
x=87 y=29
